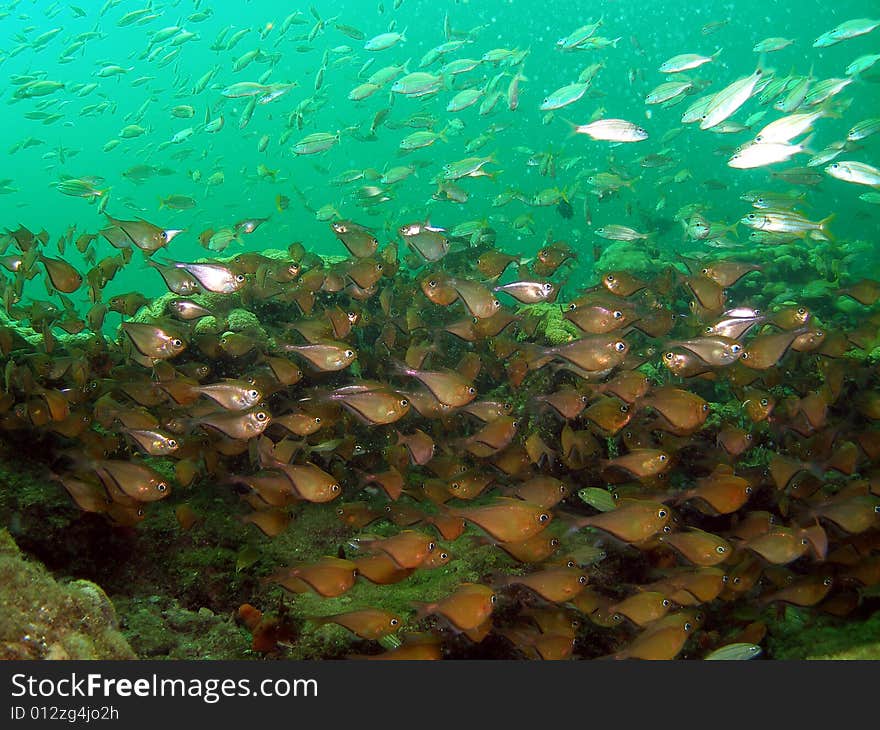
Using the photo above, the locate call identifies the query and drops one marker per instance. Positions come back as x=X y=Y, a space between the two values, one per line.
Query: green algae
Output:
x=41 y=618
x=803 y=635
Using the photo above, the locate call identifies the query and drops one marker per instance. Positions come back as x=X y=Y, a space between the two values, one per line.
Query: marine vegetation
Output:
x=367 y=424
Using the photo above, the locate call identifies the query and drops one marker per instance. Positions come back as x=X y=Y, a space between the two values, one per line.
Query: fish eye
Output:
x=572 y=307
x=610 y=278
x=666 y=603
x=543 y=517
x=804 y=541
x=379 y=267
x=667 y=529
x=161 y=487
x=493 y=598
x=720 y=549
x=617 y=618
x=582 y=580
x=444 y=556
x=431 y=546
x=172 y=443
x=617 y=314
x=749 y=437
x=471 y=390
x=495 y=304
x=751 y=216
x=704 y=271
x=834 y=165
x=141 y=512
x=554 y=541
x=661 y=513
x=394 y=621
x=620 y=346
x=737 y=580
x=432 y=283
x=404 y=402
x=163 y=235
x=877 y=508
x=253 y=393
x=826 y=582
x=705 y=407
x=547 y=287
x=735 y=348
x=669 y=355
x=748 y=490
x=624 y=408
x=455 y=485
x=764 y=402
x=317 y=420
x=687 y=626
x=662 y=457
x=340 y=511
x=349 y=353
x=177 y=342
x=261 y=415
x=334 y=487
x=239 y=278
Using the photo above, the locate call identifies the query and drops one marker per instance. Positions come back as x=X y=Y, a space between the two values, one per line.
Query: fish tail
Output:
x=823 y=226
x=572 y=127
x=423 y=608
x=805 y=145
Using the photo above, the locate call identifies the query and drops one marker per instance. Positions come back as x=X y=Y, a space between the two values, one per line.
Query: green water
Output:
x=36 y=154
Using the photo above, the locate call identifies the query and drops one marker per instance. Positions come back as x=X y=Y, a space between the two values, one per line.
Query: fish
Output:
x=368 y=623
x=467 y=608
x=686 y=62
x=851 y=171
x=612 y=130
x=636 y=521
x=846 y=31
x=727 y=101
x=737 y=651
x=506 y=519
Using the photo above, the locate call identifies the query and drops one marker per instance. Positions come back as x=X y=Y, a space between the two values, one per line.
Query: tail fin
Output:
x=823 y=226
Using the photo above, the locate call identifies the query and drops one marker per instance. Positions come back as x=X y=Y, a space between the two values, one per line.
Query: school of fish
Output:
x=667 y=456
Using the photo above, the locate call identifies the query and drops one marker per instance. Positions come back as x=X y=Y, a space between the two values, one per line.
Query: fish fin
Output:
x=823 y=226
x=805 y=145
x=423 y=608
x=572 y=127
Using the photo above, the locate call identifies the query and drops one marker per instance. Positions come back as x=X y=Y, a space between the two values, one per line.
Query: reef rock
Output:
x=41 y=618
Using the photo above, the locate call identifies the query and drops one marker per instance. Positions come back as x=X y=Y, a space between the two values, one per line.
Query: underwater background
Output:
x=205 y=123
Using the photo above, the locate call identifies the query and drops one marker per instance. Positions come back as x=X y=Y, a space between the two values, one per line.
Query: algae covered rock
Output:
x=623 y=256
x=41 y=618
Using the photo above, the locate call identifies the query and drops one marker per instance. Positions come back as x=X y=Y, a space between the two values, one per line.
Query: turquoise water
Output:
x=67 y=134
